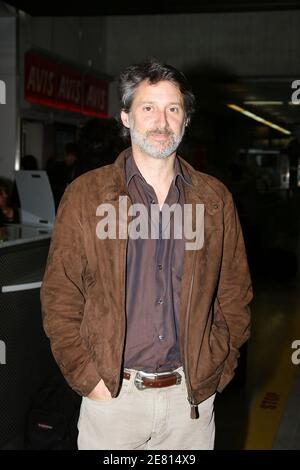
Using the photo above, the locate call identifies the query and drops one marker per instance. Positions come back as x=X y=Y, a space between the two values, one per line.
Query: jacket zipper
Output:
x=124 y=307
x=194 y=407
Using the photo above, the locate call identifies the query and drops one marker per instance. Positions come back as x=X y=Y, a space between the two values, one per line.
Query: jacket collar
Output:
x=198 y=191
x=132 y=170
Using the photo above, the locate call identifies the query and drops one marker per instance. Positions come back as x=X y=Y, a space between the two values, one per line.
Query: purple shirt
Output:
x=153 y=281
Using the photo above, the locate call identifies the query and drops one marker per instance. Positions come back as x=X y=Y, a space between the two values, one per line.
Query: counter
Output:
x=26 y=360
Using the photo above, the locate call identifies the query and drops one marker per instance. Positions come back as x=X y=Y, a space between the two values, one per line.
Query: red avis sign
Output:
x=60 y=86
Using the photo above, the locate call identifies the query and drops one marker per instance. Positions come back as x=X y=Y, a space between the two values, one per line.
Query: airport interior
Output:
x=59 y=118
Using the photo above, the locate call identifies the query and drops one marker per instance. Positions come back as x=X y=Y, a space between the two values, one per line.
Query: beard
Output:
x=161 y=149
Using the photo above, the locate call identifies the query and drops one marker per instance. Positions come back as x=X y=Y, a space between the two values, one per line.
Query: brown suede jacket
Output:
x=83 y=290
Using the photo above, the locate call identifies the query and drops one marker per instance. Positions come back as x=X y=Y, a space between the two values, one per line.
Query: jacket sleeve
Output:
x=235 y=288
x=62 y=296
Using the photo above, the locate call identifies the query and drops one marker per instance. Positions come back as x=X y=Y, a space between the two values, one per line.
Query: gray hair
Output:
x=153 y=71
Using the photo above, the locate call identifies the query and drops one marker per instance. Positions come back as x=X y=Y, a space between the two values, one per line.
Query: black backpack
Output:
x=52 y=418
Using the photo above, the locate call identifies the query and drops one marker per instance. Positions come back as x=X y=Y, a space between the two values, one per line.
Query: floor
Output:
x=260 y=409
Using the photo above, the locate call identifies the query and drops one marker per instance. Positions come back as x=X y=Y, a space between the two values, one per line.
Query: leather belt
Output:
x=144 y=380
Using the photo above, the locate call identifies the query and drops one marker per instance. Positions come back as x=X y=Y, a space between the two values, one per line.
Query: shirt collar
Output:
x=132 y=170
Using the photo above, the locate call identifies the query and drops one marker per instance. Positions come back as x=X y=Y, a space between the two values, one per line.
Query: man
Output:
x=147 y=328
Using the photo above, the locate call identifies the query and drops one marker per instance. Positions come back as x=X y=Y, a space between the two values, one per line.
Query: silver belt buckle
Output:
x=178 y=378
x=138 y=380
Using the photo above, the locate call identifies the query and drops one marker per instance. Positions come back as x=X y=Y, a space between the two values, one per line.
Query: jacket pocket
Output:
x=219 y=339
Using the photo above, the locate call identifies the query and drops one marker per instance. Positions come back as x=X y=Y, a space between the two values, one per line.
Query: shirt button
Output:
x=160 y=267
x=161 y=337
x=160 y=301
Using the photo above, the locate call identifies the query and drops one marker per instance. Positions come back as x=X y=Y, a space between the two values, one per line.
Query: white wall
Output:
x=8 y=111
x=251 y=43
x=75 y=39
x=80 y=41
x=243 y=44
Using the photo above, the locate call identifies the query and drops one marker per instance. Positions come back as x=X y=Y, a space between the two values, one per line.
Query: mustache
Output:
x=160 y=132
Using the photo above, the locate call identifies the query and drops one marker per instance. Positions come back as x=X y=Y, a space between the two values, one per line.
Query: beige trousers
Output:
x=149 y=419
